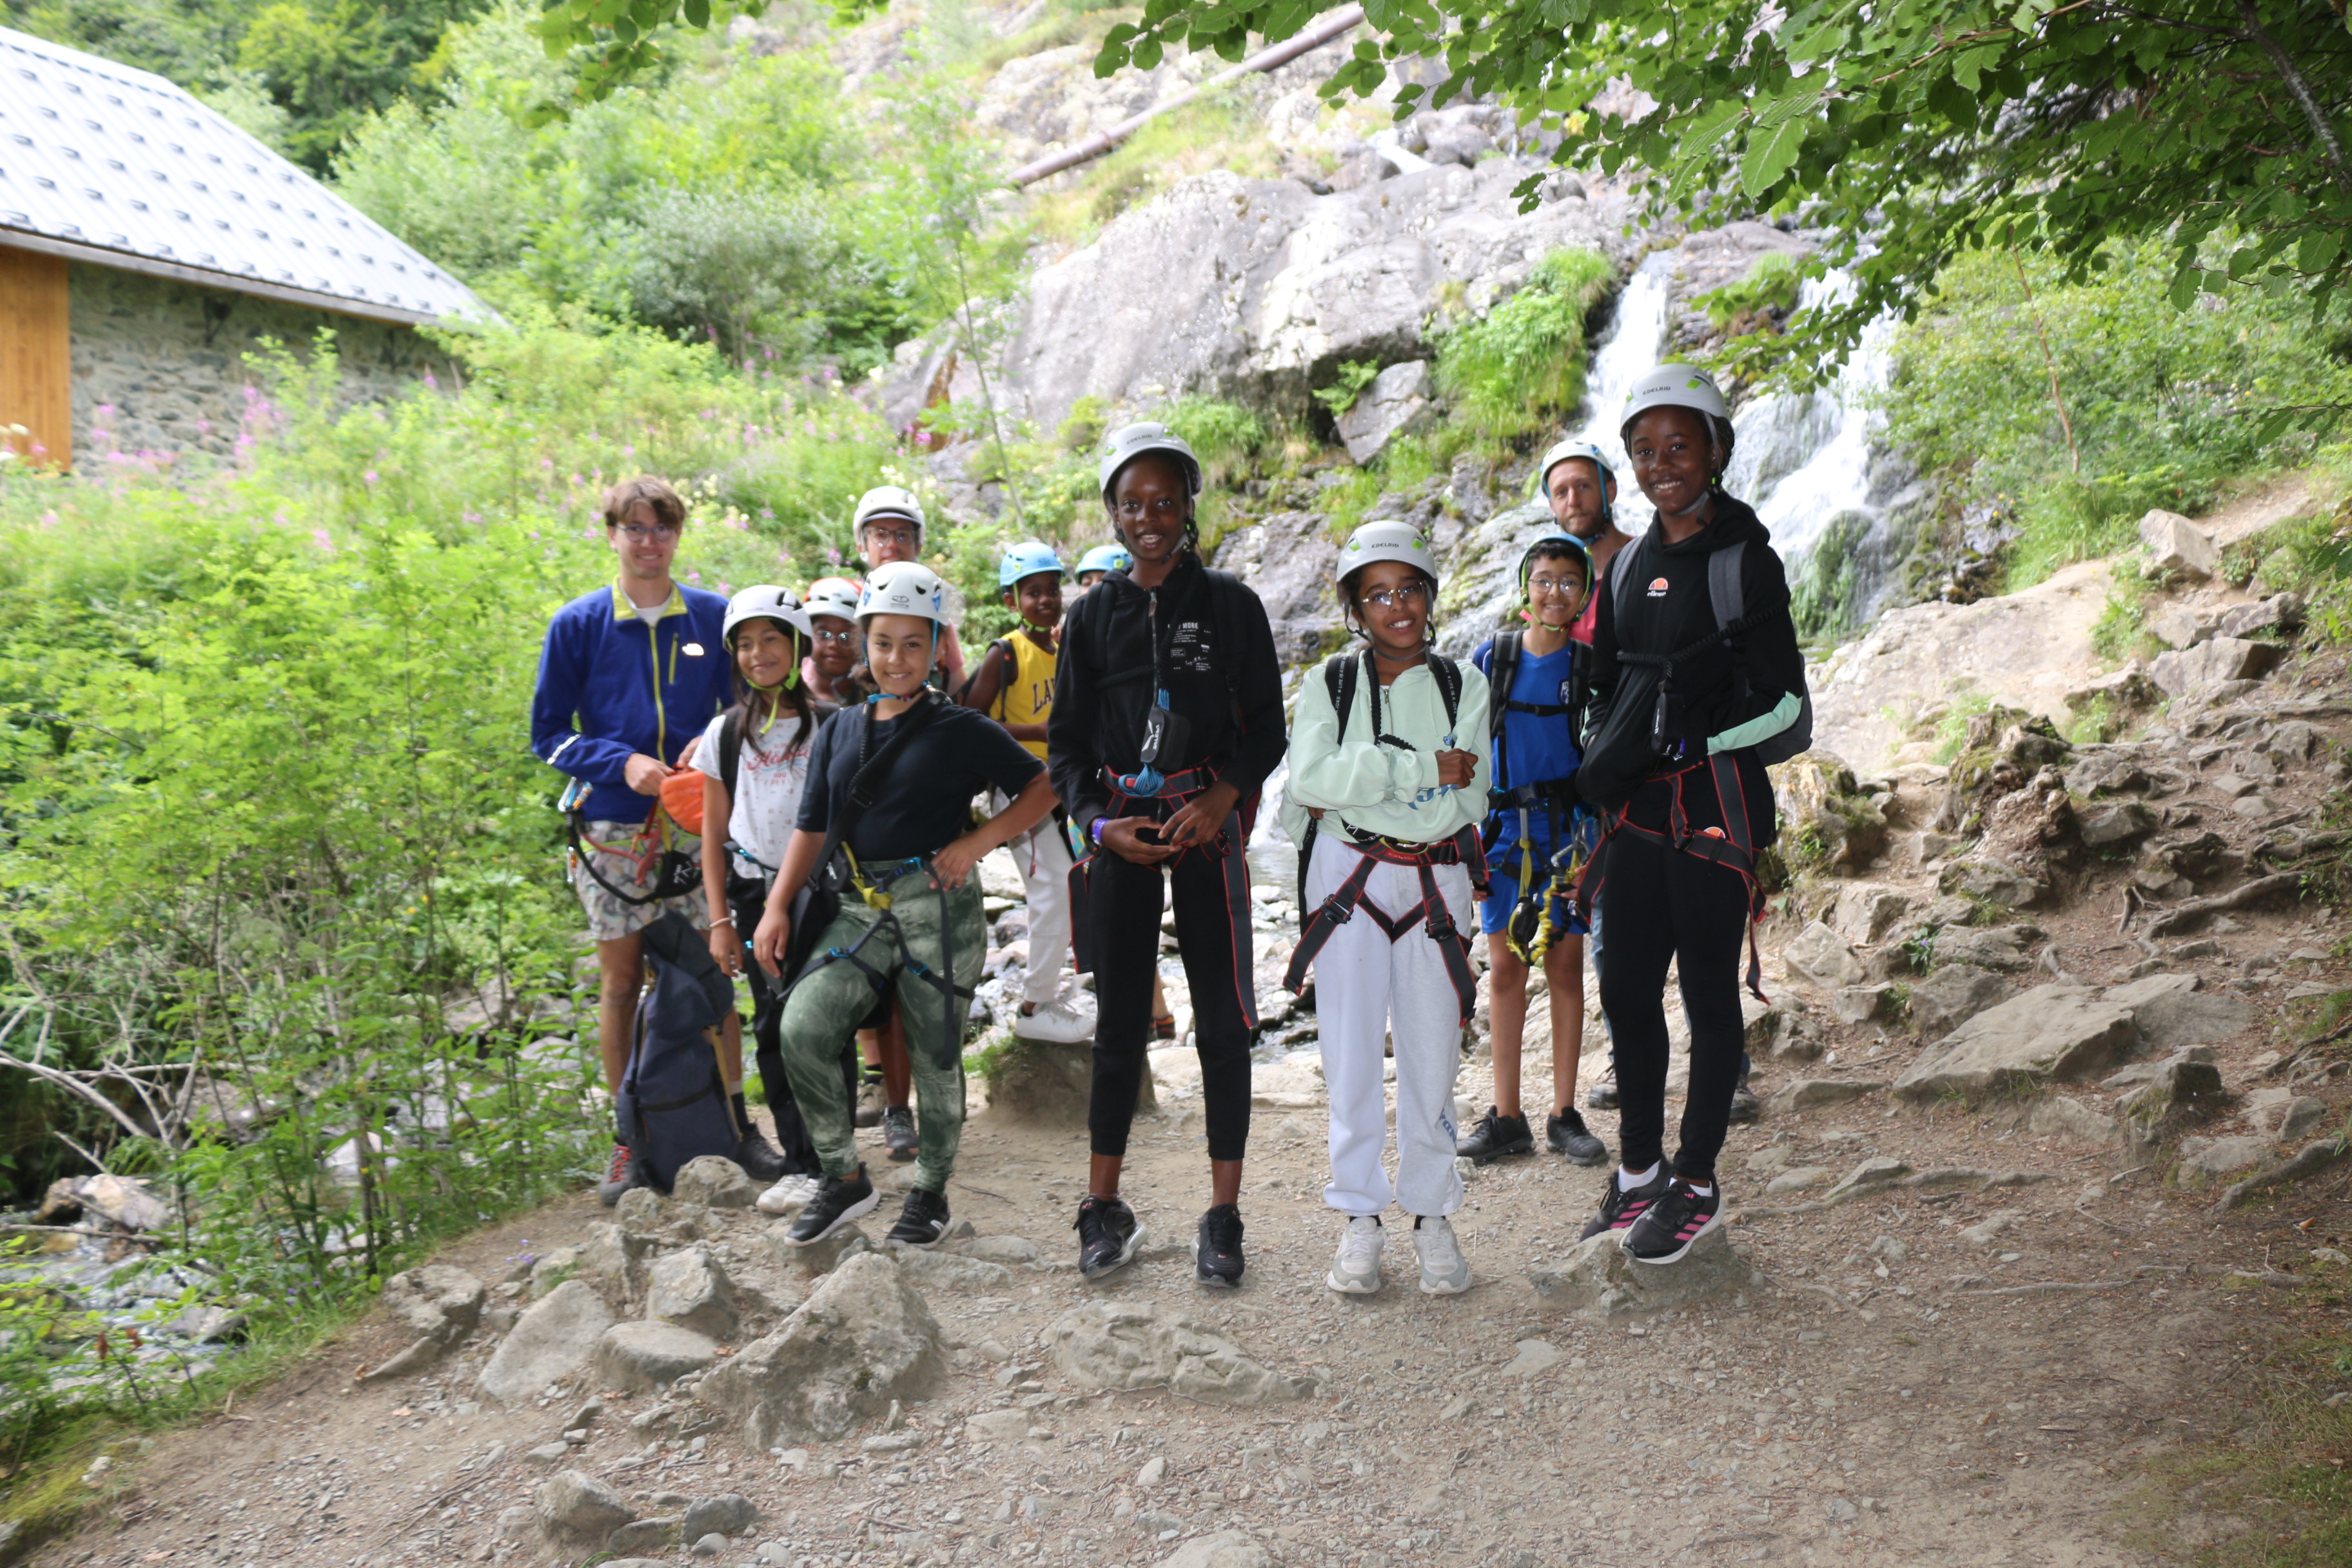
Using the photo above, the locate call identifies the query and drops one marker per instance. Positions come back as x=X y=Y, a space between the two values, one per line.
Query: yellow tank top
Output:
x=1026 y=697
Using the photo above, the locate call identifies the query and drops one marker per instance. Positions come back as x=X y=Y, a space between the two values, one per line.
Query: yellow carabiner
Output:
x=875 y=898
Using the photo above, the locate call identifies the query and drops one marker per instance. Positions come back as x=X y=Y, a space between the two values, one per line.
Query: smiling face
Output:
x=899 y=652
x=1037 y=599
x=766 y=652
x=889 y=537
x=1575 y=492
x=1673 y=458
x=645 y=544
x=836 y=645
x=1393 y=605
x=1556 y=589
x=1150 y=502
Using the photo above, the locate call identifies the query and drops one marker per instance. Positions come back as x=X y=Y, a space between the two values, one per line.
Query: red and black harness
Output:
x=1432 y=913
x=1732 y=846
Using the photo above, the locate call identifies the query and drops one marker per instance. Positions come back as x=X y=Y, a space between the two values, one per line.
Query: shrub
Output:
x=1522 y=366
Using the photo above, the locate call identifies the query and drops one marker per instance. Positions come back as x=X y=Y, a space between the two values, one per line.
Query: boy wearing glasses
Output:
x=630 y=676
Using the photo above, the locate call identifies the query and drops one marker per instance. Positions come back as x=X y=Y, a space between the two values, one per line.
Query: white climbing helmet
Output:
x=1681 y=386
x=1562 y=451
x=1384 y=541
x=766 y=601
x=888 y=501
x=832 y=597
x=905 y=588
x=1125 y=445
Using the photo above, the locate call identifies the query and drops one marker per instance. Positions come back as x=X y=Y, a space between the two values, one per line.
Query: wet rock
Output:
x=633 y=1357
x=2178 y=547
x=1986 y=947
x=1951 y=995
x=2210 y=665
x=730 y=1513
x=1994 y=883
x=689 y=1289
x=1597 y=1280
x=1397 y=403
x=948 y=1272
x=1133 y=1346
x=1812 y=1093
x=2174 y=1012
x=862 y=1339
x=2052 y=1034
x=575 y=1512
x=548 y=1343
x=714 y=1182
x=1817 y=953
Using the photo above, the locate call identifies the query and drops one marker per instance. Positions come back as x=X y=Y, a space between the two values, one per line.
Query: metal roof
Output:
x=119 y=168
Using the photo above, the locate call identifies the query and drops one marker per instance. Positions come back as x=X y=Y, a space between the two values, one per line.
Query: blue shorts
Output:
x=1503 y=895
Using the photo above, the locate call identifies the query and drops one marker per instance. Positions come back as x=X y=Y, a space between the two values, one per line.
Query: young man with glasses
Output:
x=630 y=676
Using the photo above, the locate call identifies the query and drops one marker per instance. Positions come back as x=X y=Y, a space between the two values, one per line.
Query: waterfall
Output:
x=1634 y=340
x=1803 y=459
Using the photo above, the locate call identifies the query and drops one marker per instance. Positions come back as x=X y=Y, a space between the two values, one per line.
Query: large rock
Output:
x=547 y=1343
x=2058 y=1117
x=2208 y=665
x=729 y=1513
x=1133 y=1346
x=863 y=1338
x=689 y=1289
x=1045 y=1081
x=1824 y=813
x=2203 y=1159
x=1951 y=995
x=633 y=1357
x=2173 y=1011
x=2184 y=1084
x=2177 y=546
x=577 y=1512
x=1818 y=954
x=947 y=1271
x=1993 y=882
x=1397 y=403
x=1222 y=1549
x=1599 y=1281
x=2052 y=1034
x=435 y=1302
x=714 y=1182
x=1985 y=947
x=1865 y=912
x=1287 y=558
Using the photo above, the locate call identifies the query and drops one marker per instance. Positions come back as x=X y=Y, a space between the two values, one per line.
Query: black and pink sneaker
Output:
x=1620 y=1208
x=1671 y=1226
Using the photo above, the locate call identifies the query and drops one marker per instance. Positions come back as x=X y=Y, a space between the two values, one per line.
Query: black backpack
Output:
x=673 y=1105
x=1724 y=592
x=1503 y=668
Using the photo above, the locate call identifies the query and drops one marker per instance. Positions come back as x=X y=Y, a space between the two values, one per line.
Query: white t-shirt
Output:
x=767 y=797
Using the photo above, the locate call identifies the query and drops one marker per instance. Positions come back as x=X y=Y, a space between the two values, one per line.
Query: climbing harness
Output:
x=1732 y=846
x=653 y=853
x=1432 y=914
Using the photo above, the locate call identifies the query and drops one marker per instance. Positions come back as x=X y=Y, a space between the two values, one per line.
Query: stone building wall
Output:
x=167 y=359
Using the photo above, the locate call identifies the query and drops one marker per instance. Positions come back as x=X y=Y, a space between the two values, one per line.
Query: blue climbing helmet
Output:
x=1555 y=538
x=1027 y=560
x=1104 y=558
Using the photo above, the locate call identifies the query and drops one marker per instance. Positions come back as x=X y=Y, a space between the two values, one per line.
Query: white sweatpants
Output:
x=1368 y=990
x=1043 y=857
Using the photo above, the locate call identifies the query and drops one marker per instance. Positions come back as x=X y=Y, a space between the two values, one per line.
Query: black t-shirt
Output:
x=925 y=802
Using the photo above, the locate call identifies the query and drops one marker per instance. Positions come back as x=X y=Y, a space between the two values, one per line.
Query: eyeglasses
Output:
x=639 y=532
x=1555 y=584
x=1165 y=508
x=877 y=535
x=1404 y=596
x=824 y=636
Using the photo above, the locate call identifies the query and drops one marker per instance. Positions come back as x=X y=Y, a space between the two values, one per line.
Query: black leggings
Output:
x=1658 y=904
x=767 y=1034
x=1212 y=933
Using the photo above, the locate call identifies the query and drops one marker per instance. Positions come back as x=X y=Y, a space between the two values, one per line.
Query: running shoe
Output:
x=1109 y=1234
x=1495 y=1136
x=1443 y=1270
x=619 y=1177
x=1671 y=1226
x=1356 y=1271
x=1217 y=1247
x=1620 y=1208
x=1603 y=1095
x=761 y=1160
x=790 y=1193
x=1056 y=1022
x=1566 y=1134
x=899 y=1134
x=870 y=1102
x=922 y=1222
x=838 y=1201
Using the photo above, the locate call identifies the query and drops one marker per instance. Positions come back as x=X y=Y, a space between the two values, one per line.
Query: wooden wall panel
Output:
x=36 y=354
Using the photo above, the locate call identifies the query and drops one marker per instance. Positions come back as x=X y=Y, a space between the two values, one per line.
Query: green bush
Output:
x=1522 y=366
x=1355 y=375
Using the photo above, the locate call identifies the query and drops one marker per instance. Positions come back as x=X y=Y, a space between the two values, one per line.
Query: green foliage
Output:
x=1824 y=599
x=2311 y=556
x=1770 y=284
x=2157 y=400
x=1522 y=366
x=1354 y=375
x=2121 y=631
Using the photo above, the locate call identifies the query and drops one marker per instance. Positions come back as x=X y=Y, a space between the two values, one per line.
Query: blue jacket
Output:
x=610 y=684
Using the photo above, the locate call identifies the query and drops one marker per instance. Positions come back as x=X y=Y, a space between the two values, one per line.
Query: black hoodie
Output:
x=1670 y=611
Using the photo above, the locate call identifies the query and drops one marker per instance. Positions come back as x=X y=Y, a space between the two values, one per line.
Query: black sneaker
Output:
x=1670 y=1227
x=839 y=1200
x=899 y=1134
x=923 y=1222
x=619 y=1177
x=1603 y=1095
x=1495 y=1136
x=760 y=1159
x=1109 y=1234
x=1217 y=1247
x=1567 y=1135
x=1620 y=1208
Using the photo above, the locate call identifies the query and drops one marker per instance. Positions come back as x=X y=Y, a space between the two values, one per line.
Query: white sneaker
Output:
x=1443 y=1270
x=1356 y=1271
x=788 y=1196
x=1054 y=1021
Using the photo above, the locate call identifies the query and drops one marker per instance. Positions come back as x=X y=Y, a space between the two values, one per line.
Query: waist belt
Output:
x=1176 y=791
x=1732 y=846
x=1430 y=913
x=869 y=880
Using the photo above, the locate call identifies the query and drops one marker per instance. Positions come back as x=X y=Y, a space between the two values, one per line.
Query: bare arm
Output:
x=953 y=864
x=776 y=920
